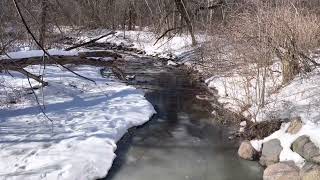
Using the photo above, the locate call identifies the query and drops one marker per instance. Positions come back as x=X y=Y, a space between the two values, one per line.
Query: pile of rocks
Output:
x=270 y=153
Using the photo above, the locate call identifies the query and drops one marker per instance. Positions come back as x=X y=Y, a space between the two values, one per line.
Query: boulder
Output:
x=310 y=171
x=270 y=152
x=316 y=159
x=246 y=151
x=282 y=171
x=310 y=150
x=298 y=144
x=307 y=149
x=295 y=126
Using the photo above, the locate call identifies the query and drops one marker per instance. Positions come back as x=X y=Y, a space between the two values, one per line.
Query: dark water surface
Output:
x=181 y=142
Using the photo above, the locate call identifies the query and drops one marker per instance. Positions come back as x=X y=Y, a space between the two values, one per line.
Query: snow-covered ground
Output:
x=165 y=48
x=242 y=91
x=88 y=120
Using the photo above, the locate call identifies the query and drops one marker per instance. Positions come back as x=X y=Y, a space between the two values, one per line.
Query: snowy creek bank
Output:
x=87 y=120
x=183 y=140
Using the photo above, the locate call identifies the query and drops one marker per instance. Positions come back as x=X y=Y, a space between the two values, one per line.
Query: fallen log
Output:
x=100 y=54
x=94 y=58
x=9 y=64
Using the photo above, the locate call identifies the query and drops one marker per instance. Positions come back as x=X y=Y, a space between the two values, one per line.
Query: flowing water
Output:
x=181 y=142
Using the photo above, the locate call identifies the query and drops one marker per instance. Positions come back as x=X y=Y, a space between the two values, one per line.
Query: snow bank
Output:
x=242 y=91
x=301 y=98
x=88 y=120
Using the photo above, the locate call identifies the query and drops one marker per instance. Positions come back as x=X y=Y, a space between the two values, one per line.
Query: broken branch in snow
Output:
x=90 y=42
x=165 y=33
x=30 y=75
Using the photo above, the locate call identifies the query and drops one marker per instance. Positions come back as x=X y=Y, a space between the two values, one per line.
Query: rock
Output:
x=307 y=149
x=298 y=144
x=310 y=150
x=270 y=152
x=282 y=171
x=316 y=159
x=246 y=151
x=295 y=126
x=310 y=171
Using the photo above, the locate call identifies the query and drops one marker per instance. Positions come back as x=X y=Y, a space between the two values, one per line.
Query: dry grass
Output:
x=261 y=130
x=256 y=36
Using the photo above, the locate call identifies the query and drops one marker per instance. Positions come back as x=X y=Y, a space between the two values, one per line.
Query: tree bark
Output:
x=42 y=31
x=181 y=6
x=290 y=68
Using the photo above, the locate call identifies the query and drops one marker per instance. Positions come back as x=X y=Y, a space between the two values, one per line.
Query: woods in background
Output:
x=258 y=30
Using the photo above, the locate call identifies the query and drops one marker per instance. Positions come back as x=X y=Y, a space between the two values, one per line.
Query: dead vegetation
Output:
x=260 y=130
x=253 y=37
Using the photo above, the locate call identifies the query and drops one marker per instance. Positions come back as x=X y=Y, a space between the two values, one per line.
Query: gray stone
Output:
x=310 y=150
x=282 y=171
x=310 y=171
x=298 y=144
x=270 y=152
x=307 y=149
x=295 y=125
x=316 y=159
x=246 y=151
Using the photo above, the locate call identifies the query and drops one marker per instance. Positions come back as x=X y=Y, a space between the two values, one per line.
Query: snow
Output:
x=300 y=98
x=171 y=63
x=169 y=48
x=88 y=120
x=241 y=92
x=38 y=53
x=243 y=123
x=165 y=48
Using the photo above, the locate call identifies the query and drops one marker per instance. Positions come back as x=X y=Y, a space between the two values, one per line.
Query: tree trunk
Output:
x=290 y=67
x=42 y=31
x=181 y=6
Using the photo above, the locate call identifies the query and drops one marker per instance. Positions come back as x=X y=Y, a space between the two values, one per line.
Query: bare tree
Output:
x=181 y=6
